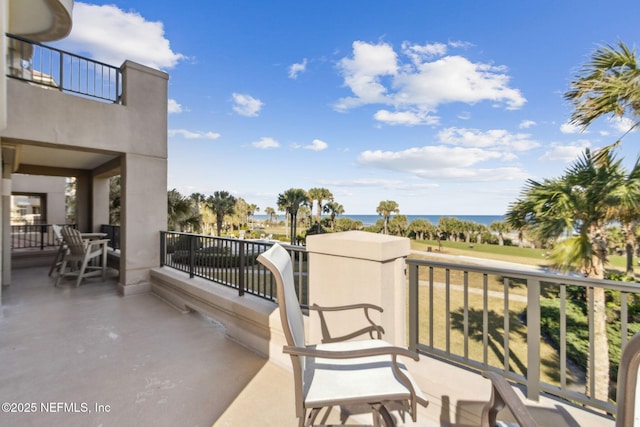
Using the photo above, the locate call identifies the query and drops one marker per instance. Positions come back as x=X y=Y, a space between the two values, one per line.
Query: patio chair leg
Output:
x=63 y=266
x=379 y=413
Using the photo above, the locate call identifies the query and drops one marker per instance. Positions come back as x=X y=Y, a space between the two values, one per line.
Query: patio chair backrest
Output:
x=73 y=239
x=628 y=413
x=57 y=232
x=278 y=261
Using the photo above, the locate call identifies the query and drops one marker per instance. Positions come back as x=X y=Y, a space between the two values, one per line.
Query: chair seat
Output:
x=330 y=382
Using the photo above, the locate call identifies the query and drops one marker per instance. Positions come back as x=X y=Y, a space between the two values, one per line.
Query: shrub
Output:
x=213 y=257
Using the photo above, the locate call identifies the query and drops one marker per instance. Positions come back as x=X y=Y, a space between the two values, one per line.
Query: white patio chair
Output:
x=627 y=413
x=346 y=373
x=79 y=255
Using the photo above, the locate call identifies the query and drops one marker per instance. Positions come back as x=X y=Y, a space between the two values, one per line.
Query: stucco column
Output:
x=356 y=267
x=100 y=203
x=143 y=215
x=5 y=229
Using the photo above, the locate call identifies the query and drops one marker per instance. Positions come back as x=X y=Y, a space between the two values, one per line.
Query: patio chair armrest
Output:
x=502 y=395
x=374 y=330
x=352 y=354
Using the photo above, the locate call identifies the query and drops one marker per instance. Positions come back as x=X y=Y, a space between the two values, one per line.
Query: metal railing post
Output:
x=533 y=339
x=241 y=268
x=192 y=254
x=413 y=307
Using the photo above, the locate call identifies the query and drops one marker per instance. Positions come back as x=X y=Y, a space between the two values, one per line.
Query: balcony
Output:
x=138 y=361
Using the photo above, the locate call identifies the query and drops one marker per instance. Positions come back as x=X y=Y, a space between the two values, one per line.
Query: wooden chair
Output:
x=62 y=248
x=79 y=255
x=627 y=413
x=340 y=373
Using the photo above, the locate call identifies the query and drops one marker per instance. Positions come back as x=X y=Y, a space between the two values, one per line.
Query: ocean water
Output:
x=371 y=219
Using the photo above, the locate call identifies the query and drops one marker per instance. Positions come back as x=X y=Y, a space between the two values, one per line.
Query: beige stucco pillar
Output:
x=5 y=226
x=100 y=203
x=354 y=267
x=143 y=214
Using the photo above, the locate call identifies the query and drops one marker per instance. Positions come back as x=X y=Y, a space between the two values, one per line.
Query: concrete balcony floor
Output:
x=86 y=356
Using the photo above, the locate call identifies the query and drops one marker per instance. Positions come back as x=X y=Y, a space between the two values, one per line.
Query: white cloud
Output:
x=442 y=163
x=375 y=74
x=622 y=124
x=173 y=107
x=316 y=145
x=407 y=118
x=565 y=153
x=569 y=128
x=392 y=184
x=296 y=69
x=493 y=138
x=188 y=134
x=246 y=105
x=111 y=35
x=420 y=53
x=266 y=143
x=526 y=124
x=362 y=73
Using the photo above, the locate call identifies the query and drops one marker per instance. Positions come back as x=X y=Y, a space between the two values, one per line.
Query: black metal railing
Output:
x=113 y=234
x=34 y=236
x=54 y=68
x=230 y=262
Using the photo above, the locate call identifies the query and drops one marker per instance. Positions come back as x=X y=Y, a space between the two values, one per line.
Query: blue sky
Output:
x=446 y=107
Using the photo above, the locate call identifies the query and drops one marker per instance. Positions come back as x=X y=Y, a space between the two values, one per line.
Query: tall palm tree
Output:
x=578 y=202
x=334 y=209
x=608 y=84
x=221 y=203
x=319 y=195
x=290 y=201
x=386 y=208
x=271 y=213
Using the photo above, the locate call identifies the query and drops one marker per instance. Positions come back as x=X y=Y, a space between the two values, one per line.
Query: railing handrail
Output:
x=113 y=73
x=540 y=275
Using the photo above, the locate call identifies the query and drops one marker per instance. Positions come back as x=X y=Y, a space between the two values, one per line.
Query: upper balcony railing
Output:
x=37 y=63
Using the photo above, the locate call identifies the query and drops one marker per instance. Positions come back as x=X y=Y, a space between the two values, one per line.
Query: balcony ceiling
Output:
x=40 y=20
x=26 y=157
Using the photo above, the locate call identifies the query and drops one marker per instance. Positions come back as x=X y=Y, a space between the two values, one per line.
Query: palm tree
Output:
x=180 y=213
x=607 y=84
x=319 y=195
x=271 y=213
x=290 y=201
x=386 y=208
x=333 y=209
x=578 y=202
x=500 y=227
x=627 y=212
x=221 y=203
